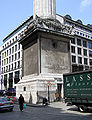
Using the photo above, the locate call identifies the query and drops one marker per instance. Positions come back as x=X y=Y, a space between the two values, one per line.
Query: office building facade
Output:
x=11 y=58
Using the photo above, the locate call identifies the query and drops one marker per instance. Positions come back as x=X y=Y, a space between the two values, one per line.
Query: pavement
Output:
x=49 y=104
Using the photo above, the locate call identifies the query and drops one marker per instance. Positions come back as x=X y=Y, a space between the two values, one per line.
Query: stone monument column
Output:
x=44 y=8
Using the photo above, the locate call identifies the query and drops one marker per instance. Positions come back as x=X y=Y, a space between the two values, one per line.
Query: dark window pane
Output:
x=72 y=49
x=89 y=45
x=85 y=52
x=73 y=59
x=79 y=51
x=84 y=44
x=73 y=41
x=85 y=61
x=79 y=42
x=90 y=53
x=90 y=61
x=80 y=60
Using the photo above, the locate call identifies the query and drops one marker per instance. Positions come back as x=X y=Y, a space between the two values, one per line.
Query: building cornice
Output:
x=17 y=29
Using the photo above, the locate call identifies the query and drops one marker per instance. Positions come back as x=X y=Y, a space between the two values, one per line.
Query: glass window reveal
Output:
x=73 y=59
x=84 y=52
x=84 y=43
x=85 y=61
x=90 y=53
x=79 y=51
x=89 y=45
x=79 y=42
x=73 y=41
x=72 y=49
x=80 y=60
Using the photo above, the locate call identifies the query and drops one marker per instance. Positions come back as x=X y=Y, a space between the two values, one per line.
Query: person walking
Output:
x=21 y=102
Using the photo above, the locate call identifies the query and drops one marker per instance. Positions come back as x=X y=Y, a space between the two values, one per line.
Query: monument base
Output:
x=35 y=87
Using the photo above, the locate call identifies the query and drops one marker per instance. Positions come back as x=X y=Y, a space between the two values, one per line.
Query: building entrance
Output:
x=59 y=91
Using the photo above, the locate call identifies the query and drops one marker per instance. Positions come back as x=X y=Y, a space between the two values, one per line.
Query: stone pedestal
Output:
x=35 y=87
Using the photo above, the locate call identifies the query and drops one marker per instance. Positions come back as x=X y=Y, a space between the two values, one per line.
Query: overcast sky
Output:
x=14 y=12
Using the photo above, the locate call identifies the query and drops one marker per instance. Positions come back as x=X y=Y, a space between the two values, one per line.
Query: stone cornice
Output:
x=47 y=25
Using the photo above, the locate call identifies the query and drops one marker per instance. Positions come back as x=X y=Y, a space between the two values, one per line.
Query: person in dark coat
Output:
x=45 y=101
x=21 y=102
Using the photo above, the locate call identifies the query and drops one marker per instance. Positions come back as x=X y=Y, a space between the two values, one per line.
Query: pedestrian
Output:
x=45 y=101
x=21 y=102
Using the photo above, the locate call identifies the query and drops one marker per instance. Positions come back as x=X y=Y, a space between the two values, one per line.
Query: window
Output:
x=13 y=40
x=85 y=52
x=90 y=61
x=77 y=32
x=2 y=55
x=73 y=59
x=18 y=55
x=7 y=52
x=72 y=49
x=15 y=48
x=80 y=60
x=73 y=41
x=12 y=66
x=90 y=53
x=2 y=70
x=84 y=44
x=6 y=68
x=18 y=46
x=89 y=45
x=12 y=49
x=7 y=44
x=79 y=51
x=9 y=59
x=15 y=64
x=80 y=33
x=2 y=62
x=12 y=58
x=18 y=64
x=9 y=67
x=85 y=61
x=79 y=42
x=16 y=38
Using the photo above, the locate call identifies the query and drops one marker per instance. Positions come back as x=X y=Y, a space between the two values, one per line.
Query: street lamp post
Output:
x=48 y=84
x=48 y=95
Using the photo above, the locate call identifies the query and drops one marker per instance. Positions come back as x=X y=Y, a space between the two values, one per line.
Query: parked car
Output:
x=13 y=98
x=11 y=92
x=1 y=92
x=6 y=104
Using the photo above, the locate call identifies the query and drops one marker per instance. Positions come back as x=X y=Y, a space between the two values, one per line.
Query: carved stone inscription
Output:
x=54 y=56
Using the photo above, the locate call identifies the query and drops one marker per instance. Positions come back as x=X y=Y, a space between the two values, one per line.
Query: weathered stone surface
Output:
x=44 y=8
x=54 y=56
x=30 y=59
